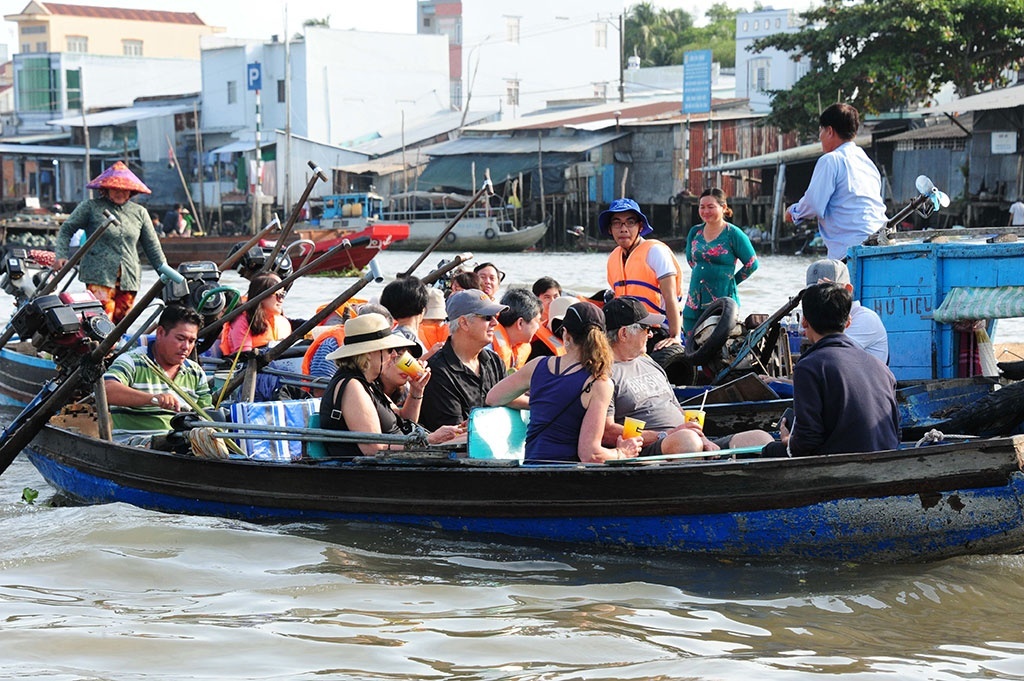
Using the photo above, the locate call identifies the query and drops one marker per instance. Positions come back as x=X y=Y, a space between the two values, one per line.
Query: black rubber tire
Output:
x=728 y=312
x=450 y=237
x=672 y=358
x=489 y=233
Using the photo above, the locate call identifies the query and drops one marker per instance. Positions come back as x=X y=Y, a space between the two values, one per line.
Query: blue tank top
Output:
x=556 y=413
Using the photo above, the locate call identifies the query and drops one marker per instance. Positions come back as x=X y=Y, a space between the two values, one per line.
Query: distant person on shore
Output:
x=845 y=193
x=645 y=269
x=713 y=250
x=843 y=398
x=866 y=328
x=111 y=269
x=1017 y=213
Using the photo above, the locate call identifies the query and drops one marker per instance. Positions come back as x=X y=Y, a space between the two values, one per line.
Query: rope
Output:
x=934 y=436
x=206 y=446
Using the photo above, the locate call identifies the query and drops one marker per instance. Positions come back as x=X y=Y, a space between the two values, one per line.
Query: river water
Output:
x=115 y=592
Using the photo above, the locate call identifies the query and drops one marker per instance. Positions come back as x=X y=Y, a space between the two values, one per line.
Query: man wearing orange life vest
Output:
x=517 y=324
x=546 y=342
x=644 y=269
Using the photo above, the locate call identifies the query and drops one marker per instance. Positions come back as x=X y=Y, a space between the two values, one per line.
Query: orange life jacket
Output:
x=513 y=356
x=433 y=331
x=278 y=328
x=337 y=333
x=635 y=279
x=553 y=342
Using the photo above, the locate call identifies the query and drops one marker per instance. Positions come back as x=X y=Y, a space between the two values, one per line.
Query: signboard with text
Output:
x=697 y=81
x=254 y=76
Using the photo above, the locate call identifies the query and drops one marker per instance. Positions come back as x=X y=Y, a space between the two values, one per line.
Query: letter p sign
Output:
x=254 y=76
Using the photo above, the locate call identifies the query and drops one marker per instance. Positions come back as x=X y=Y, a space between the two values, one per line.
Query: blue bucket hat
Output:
x=621 y=206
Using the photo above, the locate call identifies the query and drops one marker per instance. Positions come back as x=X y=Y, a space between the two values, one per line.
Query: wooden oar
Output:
x=267 y=355
x=233 y=259
x=486 y=189
x=446 y=268
x=59 y=391
x=51 y=283
x=318 y=174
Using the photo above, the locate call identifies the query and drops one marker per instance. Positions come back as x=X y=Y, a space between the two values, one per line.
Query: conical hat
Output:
x=118 y=176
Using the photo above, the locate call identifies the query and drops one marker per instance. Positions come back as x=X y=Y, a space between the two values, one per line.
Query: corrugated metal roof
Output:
x=121 y=116
x=457 y=173
x=123 y=13
x=525 y=144
x=1005 y=98
x=801 y=154
x=583 y=115
x=48 y=150
x=938 y=132
x=429 y=128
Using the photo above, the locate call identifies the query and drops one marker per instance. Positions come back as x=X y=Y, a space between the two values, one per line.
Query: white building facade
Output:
x=525 y=56
x=758 y=73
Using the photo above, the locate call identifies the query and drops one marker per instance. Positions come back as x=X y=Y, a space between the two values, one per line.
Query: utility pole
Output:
x=622 y=59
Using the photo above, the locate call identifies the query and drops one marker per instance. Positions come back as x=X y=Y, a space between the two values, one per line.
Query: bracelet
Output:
x=415 y=397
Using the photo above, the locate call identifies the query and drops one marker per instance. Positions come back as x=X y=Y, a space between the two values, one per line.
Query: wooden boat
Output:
x=482 y=229
x=366 y=243
x=920 y=504
x=22 y=373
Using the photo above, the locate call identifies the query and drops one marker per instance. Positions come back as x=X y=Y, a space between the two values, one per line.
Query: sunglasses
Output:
x=280 y=295
x=486 y=317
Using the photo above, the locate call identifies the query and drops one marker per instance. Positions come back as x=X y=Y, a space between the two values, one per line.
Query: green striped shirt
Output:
x=132 y=369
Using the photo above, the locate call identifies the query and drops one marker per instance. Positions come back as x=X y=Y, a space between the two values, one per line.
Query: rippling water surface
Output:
x=116 y=592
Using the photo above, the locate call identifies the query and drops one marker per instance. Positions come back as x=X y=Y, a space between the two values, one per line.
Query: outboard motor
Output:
x=67 y=326
x=21 y=275
x=256 y=257
x=201 y=278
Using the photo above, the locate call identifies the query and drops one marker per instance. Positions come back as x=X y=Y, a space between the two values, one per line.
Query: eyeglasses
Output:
x=280 y=295
x=625 y=222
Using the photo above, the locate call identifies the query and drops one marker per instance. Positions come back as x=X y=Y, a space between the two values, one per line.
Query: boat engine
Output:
x=67 y=326
x=197 y=291
x=256 y=257
x=21 y=275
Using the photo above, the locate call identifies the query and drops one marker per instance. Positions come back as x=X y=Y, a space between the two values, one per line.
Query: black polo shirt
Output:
x=453 y=389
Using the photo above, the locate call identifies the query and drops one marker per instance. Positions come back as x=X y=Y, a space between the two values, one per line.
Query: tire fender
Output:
x=727 y=312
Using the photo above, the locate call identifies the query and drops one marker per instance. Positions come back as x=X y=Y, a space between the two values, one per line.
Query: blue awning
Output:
x=964 y=303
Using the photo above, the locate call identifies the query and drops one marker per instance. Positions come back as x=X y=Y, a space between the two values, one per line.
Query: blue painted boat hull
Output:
x=886 y=506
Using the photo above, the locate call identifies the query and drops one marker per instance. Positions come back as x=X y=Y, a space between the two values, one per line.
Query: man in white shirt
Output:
x=1017 y=213
x=866 y=328
x=845 y=193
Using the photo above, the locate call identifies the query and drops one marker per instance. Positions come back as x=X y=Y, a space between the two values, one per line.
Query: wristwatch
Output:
x=154 y=400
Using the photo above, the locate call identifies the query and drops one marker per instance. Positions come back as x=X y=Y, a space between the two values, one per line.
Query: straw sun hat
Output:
x=118 y=176
x=366 y=333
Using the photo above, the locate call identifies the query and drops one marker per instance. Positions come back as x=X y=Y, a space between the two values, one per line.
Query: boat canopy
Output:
x=968 y=302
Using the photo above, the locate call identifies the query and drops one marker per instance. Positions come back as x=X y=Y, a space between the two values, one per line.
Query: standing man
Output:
x=1017 y=213
x=464 y=369
x=644 y=269
x=141 y=402
x=844 y=399
x=845 y=193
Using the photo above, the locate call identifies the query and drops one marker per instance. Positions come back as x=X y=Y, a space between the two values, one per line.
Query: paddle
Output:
x=51 y=283
x=264 y=356
x=486 y=189
x=318 y=174
x=59 y=391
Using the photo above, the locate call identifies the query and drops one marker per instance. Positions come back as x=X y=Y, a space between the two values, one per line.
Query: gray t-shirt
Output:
x=643 y=392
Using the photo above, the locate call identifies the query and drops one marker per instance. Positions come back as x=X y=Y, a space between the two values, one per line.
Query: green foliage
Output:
x=883 y=55
x=325 y=22
x=29 y=495
x=660 y=37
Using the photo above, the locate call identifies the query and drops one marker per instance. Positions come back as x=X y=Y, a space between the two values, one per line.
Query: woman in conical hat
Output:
x=111 y=268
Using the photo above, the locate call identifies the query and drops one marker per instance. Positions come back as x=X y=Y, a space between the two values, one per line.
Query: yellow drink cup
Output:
x=694 y=416
x=408 y=365
x=632 y=427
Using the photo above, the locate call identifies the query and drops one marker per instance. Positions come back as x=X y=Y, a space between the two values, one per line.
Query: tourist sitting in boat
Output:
x=111 y=270
x=569 y=395
x=433 y=328
x=866 y=328
x=490 y=278
x=260 y=326
x=464 y=369
x=642 y=390
x=141 y=402
x=315 y=362
x=843 y=398
x=546 y=289
x=465 y=281
x=516 y=327
x=355 y=399
x=545 y=343
x=406 y=300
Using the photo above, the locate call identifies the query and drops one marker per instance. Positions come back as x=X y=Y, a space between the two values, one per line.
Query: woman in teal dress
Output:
x=712 y=250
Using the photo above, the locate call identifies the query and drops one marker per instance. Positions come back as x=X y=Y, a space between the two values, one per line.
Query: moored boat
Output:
x=919 y=504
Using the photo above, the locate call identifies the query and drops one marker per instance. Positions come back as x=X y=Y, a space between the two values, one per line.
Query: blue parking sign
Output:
x=254 y=76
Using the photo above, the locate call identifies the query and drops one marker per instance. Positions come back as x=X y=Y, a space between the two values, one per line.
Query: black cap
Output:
x=581 y=316
x=622 y=312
